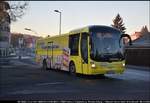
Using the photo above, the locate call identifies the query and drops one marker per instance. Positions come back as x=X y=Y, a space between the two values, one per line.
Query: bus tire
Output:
x=72 y=69
x=44 y=66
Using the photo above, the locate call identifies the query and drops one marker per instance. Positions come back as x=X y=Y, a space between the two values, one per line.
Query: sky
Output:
x=41 y=18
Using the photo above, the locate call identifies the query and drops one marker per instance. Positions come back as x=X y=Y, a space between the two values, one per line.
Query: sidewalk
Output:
x=23 y=57
x=15 y=62
x=12 y=63
x=138 y=67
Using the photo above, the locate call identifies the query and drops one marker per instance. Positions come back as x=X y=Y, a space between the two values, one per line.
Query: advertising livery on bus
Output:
x=89 y=50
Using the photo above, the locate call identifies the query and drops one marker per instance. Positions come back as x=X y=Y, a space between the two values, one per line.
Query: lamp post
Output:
x=59 y=22
x=28 y=29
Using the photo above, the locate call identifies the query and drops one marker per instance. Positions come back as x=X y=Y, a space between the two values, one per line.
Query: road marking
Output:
x=52 y=83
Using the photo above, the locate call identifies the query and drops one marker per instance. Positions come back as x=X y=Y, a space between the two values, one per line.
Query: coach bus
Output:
x=90 y=50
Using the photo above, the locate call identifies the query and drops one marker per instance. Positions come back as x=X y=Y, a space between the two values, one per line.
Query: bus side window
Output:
x=84 y=47
x=74 y=44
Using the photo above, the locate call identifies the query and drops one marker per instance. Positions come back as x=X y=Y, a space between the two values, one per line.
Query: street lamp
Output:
x=28 y=29
x=60 y=21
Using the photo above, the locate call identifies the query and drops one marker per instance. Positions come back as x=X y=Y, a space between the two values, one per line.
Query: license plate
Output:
x=110 y=72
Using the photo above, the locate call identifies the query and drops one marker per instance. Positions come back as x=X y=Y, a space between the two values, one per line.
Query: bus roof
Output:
x=87 y=28
x=83 y=29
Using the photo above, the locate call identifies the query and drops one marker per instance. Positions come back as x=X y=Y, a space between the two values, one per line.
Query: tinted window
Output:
x=105 y=44
x=74 y=44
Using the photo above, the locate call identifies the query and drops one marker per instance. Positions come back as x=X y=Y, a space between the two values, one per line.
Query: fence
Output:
x=137 y=55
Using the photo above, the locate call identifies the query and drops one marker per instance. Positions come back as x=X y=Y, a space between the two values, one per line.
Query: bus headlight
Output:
x=93 y=65
x=123 y=64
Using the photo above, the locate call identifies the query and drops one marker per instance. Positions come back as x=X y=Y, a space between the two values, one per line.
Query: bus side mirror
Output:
x=125 y=35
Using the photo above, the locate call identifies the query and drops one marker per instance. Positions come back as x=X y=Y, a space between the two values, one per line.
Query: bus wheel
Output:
x=72 y=69
x=44 y=65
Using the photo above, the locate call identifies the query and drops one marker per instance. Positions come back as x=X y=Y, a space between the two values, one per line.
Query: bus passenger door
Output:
x=84 y=52
x=74 y=51
x=50 y=54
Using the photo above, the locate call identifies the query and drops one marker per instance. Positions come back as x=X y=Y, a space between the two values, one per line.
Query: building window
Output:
x=4 y=39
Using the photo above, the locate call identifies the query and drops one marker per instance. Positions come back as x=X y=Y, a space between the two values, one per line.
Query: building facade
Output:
x=5 y=34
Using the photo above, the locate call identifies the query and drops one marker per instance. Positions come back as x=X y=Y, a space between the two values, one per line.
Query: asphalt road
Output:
x=25 y=80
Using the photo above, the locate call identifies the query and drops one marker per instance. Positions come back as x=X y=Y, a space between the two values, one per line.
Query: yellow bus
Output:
x=90 y=50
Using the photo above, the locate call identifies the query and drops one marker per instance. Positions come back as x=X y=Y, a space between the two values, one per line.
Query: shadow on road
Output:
x=84 y=77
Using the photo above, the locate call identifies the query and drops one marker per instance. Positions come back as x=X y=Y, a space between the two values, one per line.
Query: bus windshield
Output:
x=105 y=45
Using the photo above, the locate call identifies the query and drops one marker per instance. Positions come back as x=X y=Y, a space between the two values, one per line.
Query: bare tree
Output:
x=12 y=10
x=17 y=10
